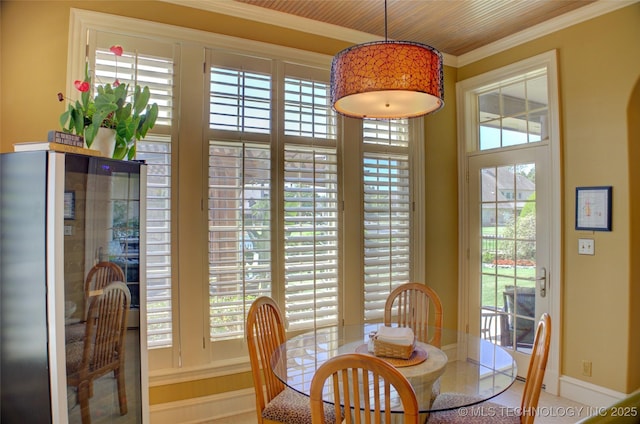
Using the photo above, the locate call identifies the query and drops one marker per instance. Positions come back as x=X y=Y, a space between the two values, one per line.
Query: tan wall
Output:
x=599 y=65
x=597 y=149
x=441 y=165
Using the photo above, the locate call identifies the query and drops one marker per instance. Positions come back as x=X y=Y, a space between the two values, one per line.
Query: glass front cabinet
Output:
x=72 y=276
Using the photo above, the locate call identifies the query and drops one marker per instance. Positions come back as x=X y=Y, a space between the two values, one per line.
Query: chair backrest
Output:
x=412 y=305
x=359 y=385
x=535 y=372
x=99 y=276
x=105 y=330
x=265 y=332
x=102 y=274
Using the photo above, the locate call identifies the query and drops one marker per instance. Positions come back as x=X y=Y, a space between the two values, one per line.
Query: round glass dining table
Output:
x=466 y=364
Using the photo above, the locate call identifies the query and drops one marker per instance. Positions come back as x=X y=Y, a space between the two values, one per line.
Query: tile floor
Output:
x=553 y=409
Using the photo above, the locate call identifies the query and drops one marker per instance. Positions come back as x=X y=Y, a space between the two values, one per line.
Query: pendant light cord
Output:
x=385 y=21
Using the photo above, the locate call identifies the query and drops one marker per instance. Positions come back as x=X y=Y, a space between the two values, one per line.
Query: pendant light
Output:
x=387 y=79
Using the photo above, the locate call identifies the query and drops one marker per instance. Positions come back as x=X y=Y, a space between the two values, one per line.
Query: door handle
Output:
x=542 y=281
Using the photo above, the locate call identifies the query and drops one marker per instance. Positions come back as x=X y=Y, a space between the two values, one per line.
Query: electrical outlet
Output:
x=68 y=230
x=586 y=368
x=586 y=246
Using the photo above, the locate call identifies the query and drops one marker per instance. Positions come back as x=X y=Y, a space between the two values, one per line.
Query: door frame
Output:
x=533 y=153
x=467 y=142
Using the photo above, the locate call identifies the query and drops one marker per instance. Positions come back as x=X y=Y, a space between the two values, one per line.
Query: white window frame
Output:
x=176 y=368
x=468 y=143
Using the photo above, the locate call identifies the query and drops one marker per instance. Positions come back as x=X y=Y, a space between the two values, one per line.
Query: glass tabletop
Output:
x=465 y=364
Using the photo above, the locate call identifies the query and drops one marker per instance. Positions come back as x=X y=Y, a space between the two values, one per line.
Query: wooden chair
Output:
x=102 y=349
x=265 y=332
x=99 y=276
x=360 y=385
x=530 y=394
x=409 y=305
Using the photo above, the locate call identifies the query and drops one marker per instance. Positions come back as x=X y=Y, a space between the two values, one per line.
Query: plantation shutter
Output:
x=239 y=233
x=307 y=110
x=239 y=96
x=387 y=212
x=310 y=192
x=239 y=190
x=155 y=150
x=152 y=64
x=311 y=237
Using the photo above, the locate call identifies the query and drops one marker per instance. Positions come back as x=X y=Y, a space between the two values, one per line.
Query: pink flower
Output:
x=117 y=50
x=82 y=86
x=116 y=82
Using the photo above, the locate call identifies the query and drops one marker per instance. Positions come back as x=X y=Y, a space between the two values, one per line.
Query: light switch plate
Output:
x=586 y=246
x=68 y=230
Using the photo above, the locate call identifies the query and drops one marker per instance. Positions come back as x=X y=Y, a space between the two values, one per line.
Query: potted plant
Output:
x=128 y=115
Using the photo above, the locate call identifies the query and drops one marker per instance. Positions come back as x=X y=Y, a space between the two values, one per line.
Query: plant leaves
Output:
x=120 y=151
x=64 y=118
x=77 y=121
x=132 y=152
x=141 y=98
x=90 y=133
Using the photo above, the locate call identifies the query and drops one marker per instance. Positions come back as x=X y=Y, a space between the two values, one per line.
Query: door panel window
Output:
x=508 y=246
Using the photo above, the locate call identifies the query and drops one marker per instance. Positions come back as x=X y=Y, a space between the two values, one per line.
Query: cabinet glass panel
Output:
x=102 y=295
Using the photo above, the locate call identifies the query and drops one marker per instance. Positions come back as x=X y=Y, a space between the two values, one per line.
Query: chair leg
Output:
x=83 y=400
x=122 y=391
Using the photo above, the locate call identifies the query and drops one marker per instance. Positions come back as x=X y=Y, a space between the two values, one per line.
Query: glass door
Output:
x=508 y=255
x=101 y=251
x=511 y=202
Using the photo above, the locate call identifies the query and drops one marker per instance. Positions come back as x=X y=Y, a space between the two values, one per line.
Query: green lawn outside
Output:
x=494 y=279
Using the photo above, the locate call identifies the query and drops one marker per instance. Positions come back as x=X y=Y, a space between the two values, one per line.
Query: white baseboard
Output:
x=206 y=409
x=587 y=393
x=552 y=382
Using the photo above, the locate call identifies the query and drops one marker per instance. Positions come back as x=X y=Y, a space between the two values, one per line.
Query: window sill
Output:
x=221 y=368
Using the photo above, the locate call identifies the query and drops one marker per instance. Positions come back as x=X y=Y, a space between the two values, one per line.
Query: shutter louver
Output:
x=156 y=73
x=156 y=152
x=311 y=237
x=240 y=101
x=239 y=233
x=307 y=109
x=387 y=212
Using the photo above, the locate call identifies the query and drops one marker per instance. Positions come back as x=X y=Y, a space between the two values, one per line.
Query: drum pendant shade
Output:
x=387 y=80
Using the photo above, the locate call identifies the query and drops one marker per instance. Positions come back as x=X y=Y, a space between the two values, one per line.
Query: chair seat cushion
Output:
x=74 y=332
x=74 y=353
x=292 y=407
x=483 y=412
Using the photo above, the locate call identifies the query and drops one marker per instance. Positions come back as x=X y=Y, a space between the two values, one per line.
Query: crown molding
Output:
x=271 y=17
x=286 y=20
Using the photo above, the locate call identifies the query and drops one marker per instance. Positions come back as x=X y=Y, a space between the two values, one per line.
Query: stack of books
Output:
x=65 y=138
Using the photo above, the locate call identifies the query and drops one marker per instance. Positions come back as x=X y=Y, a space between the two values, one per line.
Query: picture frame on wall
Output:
x=593 y=208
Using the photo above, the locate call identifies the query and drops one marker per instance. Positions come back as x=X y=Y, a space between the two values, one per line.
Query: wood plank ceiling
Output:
x=454 y=27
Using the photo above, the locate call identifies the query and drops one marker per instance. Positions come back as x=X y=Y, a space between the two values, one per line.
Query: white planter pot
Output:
x=105 y=141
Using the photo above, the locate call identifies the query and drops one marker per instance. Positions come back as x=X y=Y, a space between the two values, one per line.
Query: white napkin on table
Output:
x=402 y=336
